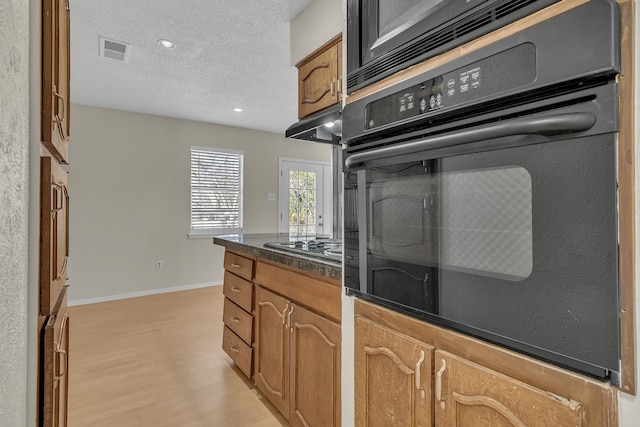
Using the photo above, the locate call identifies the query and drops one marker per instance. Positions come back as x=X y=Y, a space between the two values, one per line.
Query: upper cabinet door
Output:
x=54 y=232
x=55 y=77
x=320 y=79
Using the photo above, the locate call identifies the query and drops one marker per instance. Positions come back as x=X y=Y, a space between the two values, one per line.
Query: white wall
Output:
x=129 y=187
x=317 y=24
x=14 y=203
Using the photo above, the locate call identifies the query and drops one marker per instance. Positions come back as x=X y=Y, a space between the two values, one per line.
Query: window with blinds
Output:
x=216 y=191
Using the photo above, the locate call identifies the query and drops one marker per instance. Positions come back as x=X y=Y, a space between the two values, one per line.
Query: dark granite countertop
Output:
x=253 y=244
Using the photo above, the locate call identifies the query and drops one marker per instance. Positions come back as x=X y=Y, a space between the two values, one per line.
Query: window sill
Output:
x=210 y=234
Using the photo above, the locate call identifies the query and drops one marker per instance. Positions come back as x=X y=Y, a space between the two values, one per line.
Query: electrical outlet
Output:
x=271 y=197
x=159 y=264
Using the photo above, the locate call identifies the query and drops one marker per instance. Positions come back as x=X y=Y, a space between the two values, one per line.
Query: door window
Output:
x=303 y=198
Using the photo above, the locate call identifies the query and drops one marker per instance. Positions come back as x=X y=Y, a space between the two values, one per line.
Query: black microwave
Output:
x=386 y=36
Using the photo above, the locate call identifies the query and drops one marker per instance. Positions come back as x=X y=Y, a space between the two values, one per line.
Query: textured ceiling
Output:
x=229 y=54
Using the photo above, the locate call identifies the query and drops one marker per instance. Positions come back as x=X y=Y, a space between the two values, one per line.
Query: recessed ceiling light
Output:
x=166 y=43
x=237 y=110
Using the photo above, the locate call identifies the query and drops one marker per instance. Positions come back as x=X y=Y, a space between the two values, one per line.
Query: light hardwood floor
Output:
x=157 y=361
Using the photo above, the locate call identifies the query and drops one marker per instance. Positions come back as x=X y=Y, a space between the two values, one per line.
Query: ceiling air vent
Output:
x=114 y=49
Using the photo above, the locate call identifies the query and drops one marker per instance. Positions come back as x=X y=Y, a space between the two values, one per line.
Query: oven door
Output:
x=506 y=229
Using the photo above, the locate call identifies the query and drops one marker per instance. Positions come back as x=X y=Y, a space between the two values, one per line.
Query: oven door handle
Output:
x=557 y=124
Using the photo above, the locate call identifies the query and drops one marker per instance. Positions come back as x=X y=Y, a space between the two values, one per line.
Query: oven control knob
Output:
x=439 y=100
x=432 y=102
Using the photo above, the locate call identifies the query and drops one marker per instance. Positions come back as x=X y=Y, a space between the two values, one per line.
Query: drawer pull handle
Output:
x=234 y=348
x=439 y=384
x=60 y=351
x=235 y=265
x=236 y=290
x=418 y=382
x=235 y=320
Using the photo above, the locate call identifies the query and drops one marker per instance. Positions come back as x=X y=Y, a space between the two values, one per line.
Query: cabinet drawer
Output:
x=238 y=290
x=238 y=265
x=238 y=351
x=239 y=321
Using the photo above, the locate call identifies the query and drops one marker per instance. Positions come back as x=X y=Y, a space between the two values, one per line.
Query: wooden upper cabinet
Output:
x=54 y=232
x=471 y=395
x=392 y=377
x=320 y=78
x=55 y=77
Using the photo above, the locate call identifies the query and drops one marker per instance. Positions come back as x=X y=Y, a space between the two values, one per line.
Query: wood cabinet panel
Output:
x=323 y=297
x=392 y=377
x=320 y=78
x=238 y=265
x=315 y=370
x=238 y=290
x=238 y=320
x=238 y=351
x=55 y=102
x=55 y=365
x=581 y=400
x=54 y=232
x=272 y=348
x=468 y=394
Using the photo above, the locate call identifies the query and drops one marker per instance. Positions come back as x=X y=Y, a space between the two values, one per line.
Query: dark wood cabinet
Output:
x=320 y=78
x=55 y=102
x=53 y=317
x=54 y=232
x=55 y=365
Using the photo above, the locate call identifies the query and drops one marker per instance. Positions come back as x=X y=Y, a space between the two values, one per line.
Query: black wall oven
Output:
x=385 y=36
x=482 y=195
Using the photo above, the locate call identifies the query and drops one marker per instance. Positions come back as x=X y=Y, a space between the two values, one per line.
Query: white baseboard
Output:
x=141 y=293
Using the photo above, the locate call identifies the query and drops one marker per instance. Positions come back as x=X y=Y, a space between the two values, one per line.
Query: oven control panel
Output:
x=500 y=72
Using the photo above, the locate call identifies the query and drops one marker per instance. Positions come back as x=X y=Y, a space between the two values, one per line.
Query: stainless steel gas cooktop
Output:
x=327 y=249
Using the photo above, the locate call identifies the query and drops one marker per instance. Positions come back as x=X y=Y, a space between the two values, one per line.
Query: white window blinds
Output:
x=216 y=190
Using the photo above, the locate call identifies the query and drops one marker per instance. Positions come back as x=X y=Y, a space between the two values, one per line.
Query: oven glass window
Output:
x=394 y=15
x=474 y=221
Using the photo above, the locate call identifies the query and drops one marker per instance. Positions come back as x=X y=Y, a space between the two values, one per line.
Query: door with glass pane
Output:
x=302 y=199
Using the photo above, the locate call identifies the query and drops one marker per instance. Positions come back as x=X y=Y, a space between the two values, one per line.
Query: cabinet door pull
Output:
x=235 y=319
x=443 y=366
x=418 y=382
x=236 y=290
x=289 y=317
x=235 y=265
x=284 y=313
x=332 y=87
x=234 y=348
x=60 y=351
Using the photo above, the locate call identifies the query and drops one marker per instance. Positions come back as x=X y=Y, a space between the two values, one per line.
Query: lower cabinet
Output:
x=430 y=376
x=271 y=367
x=315 y=360
x=392 y=378
x=468 y=394
x=55 y=365
x=297 y=360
